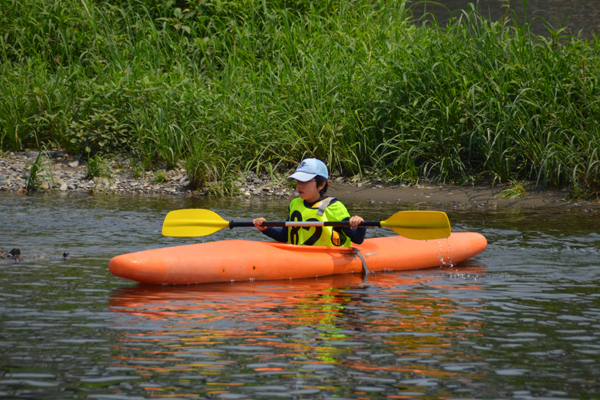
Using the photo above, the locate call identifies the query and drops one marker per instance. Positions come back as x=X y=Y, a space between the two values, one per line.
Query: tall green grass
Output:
x=225 y=87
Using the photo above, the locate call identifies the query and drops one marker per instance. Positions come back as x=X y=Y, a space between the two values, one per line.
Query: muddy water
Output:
x=573 y=15
x=521 y=320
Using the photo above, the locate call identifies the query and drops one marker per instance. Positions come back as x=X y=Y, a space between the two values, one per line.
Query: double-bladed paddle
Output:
x=410 y=224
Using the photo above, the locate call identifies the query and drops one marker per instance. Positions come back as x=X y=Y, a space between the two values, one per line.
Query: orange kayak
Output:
x=244 y=260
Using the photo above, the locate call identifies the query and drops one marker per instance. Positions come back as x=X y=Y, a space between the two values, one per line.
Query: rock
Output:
x=16 y=253
x=56 y=153
x=74 y=164
x=45 y=185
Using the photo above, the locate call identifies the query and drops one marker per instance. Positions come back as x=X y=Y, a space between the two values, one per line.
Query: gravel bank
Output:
x=61 y=172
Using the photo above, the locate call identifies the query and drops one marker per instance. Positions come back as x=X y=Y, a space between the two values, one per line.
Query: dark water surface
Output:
x=521 y=320
x=574 y=15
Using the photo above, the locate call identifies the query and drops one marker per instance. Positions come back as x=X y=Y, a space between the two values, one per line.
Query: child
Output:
x=312 y=205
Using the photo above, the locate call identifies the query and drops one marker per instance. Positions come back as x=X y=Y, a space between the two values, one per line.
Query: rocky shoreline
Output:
x=60 y=172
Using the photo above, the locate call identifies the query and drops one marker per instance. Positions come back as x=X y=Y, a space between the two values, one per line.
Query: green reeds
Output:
x=160 y=177
x=227 y=89
x=515 y=191
x=38 y=170
x=96 y=167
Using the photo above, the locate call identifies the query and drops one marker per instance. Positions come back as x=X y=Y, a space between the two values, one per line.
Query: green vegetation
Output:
x=225 y=87
x=96 y=167
x=36 y=170
x=160 y=177
x=515 y=191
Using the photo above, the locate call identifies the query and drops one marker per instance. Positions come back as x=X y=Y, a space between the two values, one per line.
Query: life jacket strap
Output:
x=324 y=204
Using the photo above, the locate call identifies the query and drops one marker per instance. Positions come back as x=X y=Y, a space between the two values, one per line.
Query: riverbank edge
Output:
x=60 y=172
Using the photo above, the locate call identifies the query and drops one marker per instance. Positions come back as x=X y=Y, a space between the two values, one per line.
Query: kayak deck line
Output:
x=244 y=260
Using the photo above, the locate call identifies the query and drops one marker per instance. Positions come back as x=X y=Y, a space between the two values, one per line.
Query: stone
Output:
x=56 y=153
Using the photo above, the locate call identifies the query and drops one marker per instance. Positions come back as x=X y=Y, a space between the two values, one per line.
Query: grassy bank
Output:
x=224 y=87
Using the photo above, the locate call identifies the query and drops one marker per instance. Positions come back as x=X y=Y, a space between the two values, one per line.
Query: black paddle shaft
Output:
x=235 y=224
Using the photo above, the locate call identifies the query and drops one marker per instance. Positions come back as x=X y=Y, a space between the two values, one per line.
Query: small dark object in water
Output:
x=16 y=253
x=65 y=254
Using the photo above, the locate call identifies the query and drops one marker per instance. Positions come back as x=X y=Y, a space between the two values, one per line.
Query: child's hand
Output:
x=356 y=221
x=258 y=223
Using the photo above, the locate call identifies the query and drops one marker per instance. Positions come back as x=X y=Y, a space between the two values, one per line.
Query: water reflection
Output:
x=524 y=325
x=334 y=335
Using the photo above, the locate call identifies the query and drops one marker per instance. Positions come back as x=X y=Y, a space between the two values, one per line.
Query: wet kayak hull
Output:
x=243 y=260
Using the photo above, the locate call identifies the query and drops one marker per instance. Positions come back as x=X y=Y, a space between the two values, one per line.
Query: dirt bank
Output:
x=461 y=197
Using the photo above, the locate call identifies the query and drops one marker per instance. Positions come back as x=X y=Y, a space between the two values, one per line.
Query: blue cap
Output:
x=310 y=168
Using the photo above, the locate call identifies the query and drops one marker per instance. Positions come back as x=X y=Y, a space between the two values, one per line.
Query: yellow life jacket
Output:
x=324 y=210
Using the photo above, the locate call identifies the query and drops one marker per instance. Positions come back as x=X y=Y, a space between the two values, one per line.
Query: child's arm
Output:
x=356 y=235
x=258 y=224
x=356 y=221
x=279 y=234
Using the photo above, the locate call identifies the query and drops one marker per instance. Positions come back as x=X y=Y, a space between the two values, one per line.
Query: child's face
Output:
x=308 y=190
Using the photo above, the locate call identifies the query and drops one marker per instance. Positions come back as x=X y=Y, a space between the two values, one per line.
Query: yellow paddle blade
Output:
x=421 y=225
x=192 y=222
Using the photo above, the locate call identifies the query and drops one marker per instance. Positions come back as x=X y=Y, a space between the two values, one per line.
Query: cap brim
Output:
x=302 y=176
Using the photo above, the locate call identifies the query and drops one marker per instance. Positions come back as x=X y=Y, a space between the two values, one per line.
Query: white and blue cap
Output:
x=310 y=168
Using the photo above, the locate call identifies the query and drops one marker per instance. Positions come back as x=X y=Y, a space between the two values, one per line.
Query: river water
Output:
x=573 y=15
x=521 y=320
